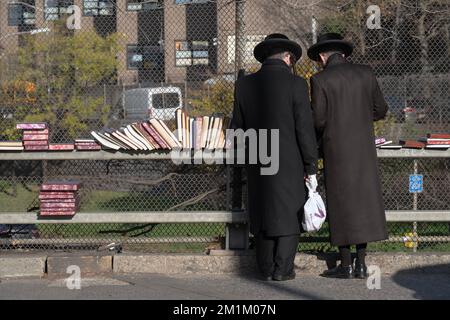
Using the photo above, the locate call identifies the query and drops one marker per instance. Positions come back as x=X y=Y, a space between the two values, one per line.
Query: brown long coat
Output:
x=346 y=99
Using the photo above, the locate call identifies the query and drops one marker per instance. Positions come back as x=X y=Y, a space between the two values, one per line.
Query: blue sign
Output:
x=416 y=183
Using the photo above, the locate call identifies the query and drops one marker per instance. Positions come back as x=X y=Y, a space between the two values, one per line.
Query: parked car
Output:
x=144 y=103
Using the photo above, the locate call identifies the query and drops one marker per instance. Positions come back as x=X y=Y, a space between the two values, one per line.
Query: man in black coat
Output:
x=346 y=99
x=274 y=98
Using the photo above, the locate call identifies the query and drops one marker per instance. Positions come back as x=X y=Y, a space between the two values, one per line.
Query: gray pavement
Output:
x=408 y=285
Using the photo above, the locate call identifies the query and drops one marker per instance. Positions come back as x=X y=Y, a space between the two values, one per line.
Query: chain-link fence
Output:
x=79 y=64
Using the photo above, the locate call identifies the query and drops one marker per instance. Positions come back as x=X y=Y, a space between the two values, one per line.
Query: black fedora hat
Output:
x=276 y=43
x=327 y=42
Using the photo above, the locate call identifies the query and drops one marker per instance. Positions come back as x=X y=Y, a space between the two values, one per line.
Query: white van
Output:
x=145 y=103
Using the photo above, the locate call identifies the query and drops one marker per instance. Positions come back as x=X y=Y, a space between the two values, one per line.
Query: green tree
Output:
x=62 y=67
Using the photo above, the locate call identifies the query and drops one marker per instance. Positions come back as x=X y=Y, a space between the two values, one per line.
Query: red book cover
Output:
x=147 y=135
x=440 y=143
x=57 y=195
x=438 y=136
x=31 y=126
x=411 y=144
x=56 y=213
x=36 y=148
x=45 y=131
x=35 y=137
x=61 y=146
x=35 y=143
x=59 y=209
x=155 y=135
x=61 y=186
x=52 y=200
x=61 y=205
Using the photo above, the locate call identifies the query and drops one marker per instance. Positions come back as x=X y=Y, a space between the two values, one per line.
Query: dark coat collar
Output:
x=275 y=63
x=335 y=59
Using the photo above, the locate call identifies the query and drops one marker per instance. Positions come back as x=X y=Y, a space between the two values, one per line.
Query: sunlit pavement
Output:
x=230 y=287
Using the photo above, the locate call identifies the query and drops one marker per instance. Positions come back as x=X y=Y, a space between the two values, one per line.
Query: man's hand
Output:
x=311 y=182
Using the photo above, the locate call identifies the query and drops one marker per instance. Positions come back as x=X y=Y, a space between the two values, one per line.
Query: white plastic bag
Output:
x=314 y=210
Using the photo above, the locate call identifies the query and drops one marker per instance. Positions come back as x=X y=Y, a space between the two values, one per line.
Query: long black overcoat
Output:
x=273 y=98
x=346 y=99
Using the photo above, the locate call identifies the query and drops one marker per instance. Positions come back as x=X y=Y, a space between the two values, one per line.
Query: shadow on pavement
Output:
x=428 y=283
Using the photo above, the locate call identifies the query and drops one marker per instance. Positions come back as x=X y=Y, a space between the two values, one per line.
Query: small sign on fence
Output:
x=416 y=183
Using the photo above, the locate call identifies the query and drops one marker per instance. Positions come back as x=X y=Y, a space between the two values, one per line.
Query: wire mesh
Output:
x=84 y=65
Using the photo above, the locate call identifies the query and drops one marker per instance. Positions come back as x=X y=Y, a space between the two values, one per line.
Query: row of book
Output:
x=200 y=132
x=149 y=135
x=59 y=198
x=436 y=141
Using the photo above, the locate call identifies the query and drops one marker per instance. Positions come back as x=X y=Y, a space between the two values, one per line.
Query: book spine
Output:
x=58 y=205
x=61 y=147
x=60 y=187
x=440 y=143
x=36 y=148
x=35 y=137
x=29 y=126
x=57 y=213
x=87 y=147
x=35 y=143
x=438 y=136
x=67 y=196
x=58 y=200
x=37 y=131
x=156 y=136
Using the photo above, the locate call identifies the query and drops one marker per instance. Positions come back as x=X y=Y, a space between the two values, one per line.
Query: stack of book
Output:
x=412 y=144
x=437 y=141
x=59 y=198
x=148 y=135
x=35 y=136
x=200 y=132
x=87 y=145
x=382 y=143
x=11 y=146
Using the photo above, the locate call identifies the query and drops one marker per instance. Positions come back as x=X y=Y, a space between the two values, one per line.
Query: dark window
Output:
x=98 y=7
x=54 y=9
x=23 y=13
x=144 y=57
x=165 y=101
x=144 y=5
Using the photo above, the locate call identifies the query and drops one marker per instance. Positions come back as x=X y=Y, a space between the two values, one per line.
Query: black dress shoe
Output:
x=265 y=278
x=340 y=272
x=279 y=277
x=360 y=270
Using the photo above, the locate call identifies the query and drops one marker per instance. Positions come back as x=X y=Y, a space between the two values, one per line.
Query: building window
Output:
x=144 y=57
x=144 y=5
x=188 y=53
x=250 y=44
x=23 y=13
x=54 y=9
x=98 y=7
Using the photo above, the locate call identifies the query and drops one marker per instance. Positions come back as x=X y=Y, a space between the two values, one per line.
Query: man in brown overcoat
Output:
x=346 y=99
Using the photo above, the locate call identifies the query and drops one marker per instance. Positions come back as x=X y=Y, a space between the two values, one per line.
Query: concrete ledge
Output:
x=22 y=265
x=230 y=262
x=218 y=262
x=89 y=264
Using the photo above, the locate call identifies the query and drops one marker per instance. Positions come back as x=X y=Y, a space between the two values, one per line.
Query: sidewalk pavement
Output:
x=402 y=285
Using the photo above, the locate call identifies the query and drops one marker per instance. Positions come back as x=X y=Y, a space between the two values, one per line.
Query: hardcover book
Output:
x=411 y=144
x=105 y=141
x=35 y=142
x=155 y=135
x=61 y=147
x=61 y=186
x=36 y=148
x=438 y=136
x=37 y=131
x=35 y=137
x=29 y=125
x=88 y=147
x=57 y=213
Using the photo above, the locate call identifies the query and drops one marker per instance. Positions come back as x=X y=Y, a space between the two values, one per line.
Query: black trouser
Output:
x=275 y=255
x=346 y=255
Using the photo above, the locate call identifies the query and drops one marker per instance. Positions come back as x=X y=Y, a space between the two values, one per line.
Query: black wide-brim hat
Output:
x=329 y=42
x=276 y=43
